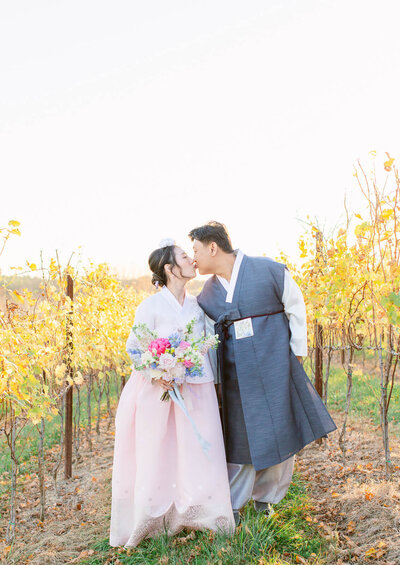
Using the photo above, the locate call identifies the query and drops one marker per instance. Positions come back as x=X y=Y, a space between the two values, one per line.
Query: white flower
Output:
x=178 y=372
x=211 y=341
x=196 y=358
x=167 y=361
x=179 y=353
x=147 y=357
x=166 y=242
x=145 y=341
x=155 y=374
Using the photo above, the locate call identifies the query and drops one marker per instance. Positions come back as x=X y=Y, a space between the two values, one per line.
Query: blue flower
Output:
x=194 y=372
x=175 y=339
x=135 y=355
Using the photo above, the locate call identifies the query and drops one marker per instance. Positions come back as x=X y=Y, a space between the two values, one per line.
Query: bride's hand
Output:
x=165 y=385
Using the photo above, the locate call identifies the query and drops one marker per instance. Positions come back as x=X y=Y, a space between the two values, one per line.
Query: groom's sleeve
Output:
x=295 y=310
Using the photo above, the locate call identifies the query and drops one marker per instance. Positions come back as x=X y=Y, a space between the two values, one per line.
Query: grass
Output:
x=365 y=396
x=283 y=539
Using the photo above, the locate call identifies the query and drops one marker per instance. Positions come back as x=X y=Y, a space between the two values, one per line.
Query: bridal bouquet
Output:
x=172 y=358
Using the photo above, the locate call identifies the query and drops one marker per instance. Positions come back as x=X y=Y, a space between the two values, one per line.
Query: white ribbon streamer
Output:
x=177 y=398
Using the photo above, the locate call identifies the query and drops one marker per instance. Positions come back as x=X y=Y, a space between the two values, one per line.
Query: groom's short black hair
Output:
x=213 y=231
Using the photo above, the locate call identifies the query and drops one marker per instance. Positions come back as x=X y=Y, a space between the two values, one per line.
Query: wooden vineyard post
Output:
x=318 y=328
x=69 y=393
x=318 y=333
x=318 y=357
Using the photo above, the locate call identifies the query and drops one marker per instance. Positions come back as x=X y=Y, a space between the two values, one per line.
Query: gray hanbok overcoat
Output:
x=270 y=408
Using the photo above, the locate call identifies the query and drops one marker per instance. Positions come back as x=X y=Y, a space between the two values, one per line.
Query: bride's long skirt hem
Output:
x=173 y=522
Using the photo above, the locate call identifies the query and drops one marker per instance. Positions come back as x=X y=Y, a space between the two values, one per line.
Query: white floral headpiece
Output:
x=166 y=242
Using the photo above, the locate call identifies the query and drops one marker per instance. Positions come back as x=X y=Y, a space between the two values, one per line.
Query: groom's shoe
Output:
x=236 y=515
x=265 y=507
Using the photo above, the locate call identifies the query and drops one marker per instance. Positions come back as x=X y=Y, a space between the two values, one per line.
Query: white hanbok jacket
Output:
x=164 y=314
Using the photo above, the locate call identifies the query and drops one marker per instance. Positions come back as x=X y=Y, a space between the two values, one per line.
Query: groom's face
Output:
x=203 y=256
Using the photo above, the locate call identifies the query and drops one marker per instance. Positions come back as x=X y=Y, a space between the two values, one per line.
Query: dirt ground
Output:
x=76 y=517
x=352 y=504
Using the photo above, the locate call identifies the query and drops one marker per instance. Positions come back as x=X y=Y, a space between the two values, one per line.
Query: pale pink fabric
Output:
x=162 y=480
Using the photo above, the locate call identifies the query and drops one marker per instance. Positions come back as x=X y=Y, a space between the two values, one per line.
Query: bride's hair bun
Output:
x=157 y=281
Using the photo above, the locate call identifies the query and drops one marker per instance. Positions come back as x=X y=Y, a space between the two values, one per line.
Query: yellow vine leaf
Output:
x=60 y=371
x=388 y=164
x=386 y=214
x=78 y=378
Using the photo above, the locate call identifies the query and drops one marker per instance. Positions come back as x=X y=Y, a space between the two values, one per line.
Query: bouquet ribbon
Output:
x=177 y=398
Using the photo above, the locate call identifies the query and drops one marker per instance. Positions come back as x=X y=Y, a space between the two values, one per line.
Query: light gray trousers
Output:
x=266 y=485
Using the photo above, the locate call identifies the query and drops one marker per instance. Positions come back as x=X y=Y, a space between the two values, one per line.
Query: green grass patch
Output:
x=258 y=540
x=365 y=396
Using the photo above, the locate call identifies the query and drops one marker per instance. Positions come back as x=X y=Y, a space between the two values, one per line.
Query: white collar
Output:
x=171 y=298
x=230 y=286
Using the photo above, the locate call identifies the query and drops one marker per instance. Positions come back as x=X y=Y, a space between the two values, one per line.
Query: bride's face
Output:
x=185 y=263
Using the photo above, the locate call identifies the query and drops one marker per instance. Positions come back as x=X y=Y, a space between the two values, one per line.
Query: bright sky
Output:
x=125 y=122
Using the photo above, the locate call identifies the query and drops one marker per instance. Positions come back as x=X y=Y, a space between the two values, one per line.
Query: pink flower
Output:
x=160 y=345
x=167 y=361
x=188 y=364
x=182 y=348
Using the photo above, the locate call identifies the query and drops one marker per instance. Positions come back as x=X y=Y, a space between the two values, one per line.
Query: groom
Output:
x=270 y=409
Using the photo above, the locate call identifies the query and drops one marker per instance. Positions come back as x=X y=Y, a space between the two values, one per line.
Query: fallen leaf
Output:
x=351 y=526
x=382 y=544
x=184 y=539
x=369 y=495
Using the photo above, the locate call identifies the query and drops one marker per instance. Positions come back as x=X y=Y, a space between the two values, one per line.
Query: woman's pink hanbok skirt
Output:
x=162 y=481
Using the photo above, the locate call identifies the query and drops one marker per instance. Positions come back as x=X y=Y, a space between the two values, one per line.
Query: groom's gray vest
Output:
x=270 y=408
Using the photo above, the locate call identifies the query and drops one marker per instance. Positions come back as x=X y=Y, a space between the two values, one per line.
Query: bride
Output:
x=161 y=479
